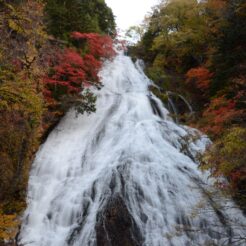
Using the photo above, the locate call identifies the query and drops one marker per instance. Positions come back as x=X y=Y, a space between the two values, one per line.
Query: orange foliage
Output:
x=220 y=114
x=216 y=4
x=200 y=77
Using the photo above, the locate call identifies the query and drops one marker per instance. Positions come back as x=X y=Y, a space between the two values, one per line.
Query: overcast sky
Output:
x=130 y=12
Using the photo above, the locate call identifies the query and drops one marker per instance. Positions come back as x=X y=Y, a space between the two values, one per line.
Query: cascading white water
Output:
x=130 y=148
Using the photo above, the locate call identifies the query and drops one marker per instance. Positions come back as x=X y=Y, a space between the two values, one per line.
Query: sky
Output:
x=130 y=12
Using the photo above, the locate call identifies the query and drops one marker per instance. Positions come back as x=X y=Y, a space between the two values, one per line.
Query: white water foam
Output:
x=128 y=147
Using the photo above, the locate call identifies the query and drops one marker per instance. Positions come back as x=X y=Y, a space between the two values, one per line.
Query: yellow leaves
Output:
x=160 y=61
x=21 y=103
x=20 y=95
x=8 y=225
x=227 y=155
x=15 y=26
x=3 y=104
x=9 y=219
x=160 y=42
x=23 y=22
x=178 y=30
x=15 y=18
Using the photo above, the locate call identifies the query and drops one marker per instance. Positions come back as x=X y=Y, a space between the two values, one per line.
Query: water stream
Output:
x=130 y=148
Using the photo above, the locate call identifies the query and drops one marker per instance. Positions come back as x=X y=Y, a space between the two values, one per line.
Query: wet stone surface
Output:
x=116 y=227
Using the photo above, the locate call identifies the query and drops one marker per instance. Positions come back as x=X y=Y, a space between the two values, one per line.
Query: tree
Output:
x=199 y=77
x=226 y=158
x=64 y=17
x=220 y=115
x=228 y=59
x=40 y=78
x=21 y=100
x=197 y=49
x=73 y=70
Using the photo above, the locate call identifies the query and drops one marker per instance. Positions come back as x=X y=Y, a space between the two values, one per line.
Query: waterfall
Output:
x=124 y=175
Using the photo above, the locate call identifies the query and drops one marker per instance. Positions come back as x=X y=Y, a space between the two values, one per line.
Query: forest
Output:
x=50 y=55
x=197 y=49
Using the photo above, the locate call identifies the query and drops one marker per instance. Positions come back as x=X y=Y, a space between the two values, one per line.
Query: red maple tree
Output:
x=73 y=69
x=220 y=113
x=200 y=77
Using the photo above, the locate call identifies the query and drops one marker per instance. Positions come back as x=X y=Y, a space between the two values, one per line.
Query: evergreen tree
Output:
x=230 y=56
x=85 y=16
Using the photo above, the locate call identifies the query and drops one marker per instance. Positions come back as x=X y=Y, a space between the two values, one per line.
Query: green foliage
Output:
x=200 y=42
x=64 y=17
x=176 y=41
x=177 y=32
x=197 y=49
x=9 y=219
x=26 y=54
x=227 y=158
x=86 y=103
x=21 y=110
x=224 y=151
x=18 y=94
x=229 y=59
x=21 y=103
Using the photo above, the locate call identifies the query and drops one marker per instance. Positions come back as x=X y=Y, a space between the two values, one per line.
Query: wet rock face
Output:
x=116 y=227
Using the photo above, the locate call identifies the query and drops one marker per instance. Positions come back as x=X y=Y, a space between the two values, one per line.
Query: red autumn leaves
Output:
x=75 y=68
x=220 y=111
x=200 y=77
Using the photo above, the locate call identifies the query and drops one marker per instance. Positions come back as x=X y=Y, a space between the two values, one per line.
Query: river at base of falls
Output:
x=130 y=151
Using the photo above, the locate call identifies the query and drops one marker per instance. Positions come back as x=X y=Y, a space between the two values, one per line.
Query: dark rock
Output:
x=7 y=244
x=115 y=225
